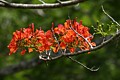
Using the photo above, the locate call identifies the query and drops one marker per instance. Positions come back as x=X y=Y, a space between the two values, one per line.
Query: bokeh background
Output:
x=106 y=58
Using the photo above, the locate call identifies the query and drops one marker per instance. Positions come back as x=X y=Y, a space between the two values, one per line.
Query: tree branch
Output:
x=6 y=4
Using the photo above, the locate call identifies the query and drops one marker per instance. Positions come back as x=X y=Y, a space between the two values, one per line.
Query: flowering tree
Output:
x=68 y=39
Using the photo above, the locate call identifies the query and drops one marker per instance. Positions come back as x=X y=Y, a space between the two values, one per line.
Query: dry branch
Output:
x=6 y=4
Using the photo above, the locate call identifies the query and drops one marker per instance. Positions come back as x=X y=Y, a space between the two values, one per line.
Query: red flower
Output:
x=69 y=37
x=12 y=46
x=67 y=24
x=23 y=52
x=18 y=35
x=60 y=29
x=41 y=41
x=63 y=45
x=30 y=50
x=55 y=48
x=72 y=50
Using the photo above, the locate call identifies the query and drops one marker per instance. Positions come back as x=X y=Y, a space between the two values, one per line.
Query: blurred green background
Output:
x=106 y=58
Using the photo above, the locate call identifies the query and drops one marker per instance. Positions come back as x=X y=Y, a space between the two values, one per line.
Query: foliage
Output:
x=105 y=29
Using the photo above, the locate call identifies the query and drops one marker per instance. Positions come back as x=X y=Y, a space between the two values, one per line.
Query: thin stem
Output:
x=91 y=69
x=59 y=1
x=109 y=16
x=42 y=1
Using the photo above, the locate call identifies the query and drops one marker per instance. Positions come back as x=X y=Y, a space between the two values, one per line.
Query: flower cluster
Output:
x=69 y=36
x=74 y=35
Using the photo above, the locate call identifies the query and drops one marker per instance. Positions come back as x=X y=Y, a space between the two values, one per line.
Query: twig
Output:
x=109 y=16
x=47 y=56
x=59 y=1
x=42 y=1
x=91 y=69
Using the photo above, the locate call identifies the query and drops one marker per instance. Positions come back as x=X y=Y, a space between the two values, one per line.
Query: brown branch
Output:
x=6 y=4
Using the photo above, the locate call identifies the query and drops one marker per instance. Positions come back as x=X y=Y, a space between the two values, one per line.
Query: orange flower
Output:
x=69 y=37
x=63 y=45
x=72 y=50
x=67 y=24
x=60 y=29
x=13 y=47
x=30 y=50
x=49 y=34
x=41 y=41
x=18 y=35
x=55 y=48
x=23 y=52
